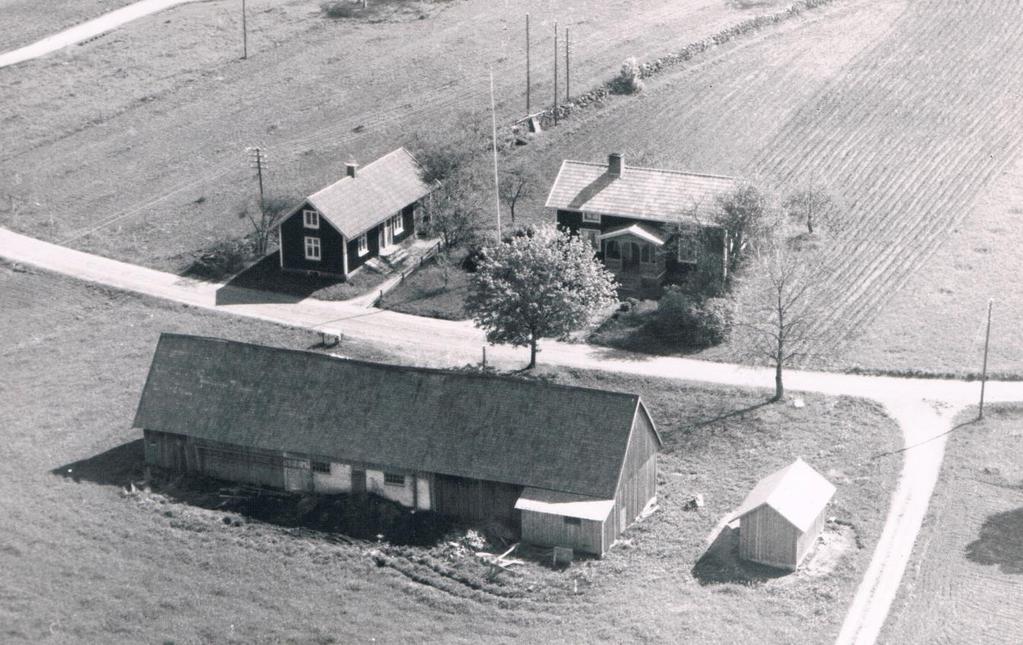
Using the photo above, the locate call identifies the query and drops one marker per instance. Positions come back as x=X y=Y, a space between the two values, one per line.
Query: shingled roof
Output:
x=797 y=492
x=547 y=436
x=382 y=188
x=640 y=193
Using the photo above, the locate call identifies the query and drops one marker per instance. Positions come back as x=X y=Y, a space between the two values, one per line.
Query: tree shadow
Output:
x=733 y=413
x=720 y=564
x=348 y=517
x=1000 y=542
x=614 y=354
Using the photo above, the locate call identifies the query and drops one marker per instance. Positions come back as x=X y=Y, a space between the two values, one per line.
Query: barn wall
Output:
x=639 y=478
x=546 y=529
x=404 y=494
x=473 y=499
x=423 y=497
x=768 y=538
x=293 y=233
x=339 y=480
x=806 y=541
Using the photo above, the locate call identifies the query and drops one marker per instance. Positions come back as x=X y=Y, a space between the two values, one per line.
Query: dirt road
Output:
x=924 y=408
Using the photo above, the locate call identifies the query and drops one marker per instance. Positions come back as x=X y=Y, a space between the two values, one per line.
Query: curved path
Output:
x=86 y=30
x=924 y=408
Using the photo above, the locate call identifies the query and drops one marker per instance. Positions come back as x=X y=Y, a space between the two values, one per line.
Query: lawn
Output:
x=133 y=147
x=266 y=275
x=82 y=561
x=964 y=583
x=26 y=21
x=436 y=289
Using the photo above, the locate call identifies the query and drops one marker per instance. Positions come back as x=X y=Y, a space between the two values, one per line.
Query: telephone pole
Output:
x=568 y=95
x=257 y=160
x=555 y=73
x=245 y=34
x=983 y=374
x=527 y=66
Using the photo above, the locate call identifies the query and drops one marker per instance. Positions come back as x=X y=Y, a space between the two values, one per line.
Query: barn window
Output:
x=312 y=248
x=397 y=224
x=394 y=479
x=573 y=521
x=363 y=245
x=321 y=467
x=591 y=218
x=310 y=218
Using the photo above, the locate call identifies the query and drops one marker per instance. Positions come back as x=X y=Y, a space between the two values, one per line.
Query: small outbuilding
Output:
x=783 y=515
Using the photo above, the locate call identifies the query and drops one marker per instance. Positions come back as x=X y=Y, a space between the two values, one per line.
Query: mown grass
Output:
x=81 y=561
x=432 y=290
x=964 y=582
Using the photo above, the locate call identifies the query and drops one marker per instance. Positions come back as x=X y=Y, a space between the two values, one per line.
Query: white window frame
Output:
x=591 y=218
x=313 y=250
x=363 y=242
x=310 y=218
x=393 y=477
x=397 y=224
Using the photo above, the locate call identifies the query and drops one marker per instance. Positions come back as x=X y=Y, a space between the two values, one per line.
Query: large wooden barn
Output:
x=780 y=519
x=567 y=466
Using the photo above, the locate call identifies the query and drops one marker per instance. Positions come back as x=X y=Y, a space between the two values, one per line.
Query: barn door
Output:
x=358 y=481
x=298 y=474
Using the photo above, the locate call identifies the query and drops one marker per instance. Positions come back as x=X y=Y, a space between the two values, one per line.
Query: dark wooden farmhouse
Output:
x=780 y=519
x=649 y=226
x=366 y=214
x=566 y=466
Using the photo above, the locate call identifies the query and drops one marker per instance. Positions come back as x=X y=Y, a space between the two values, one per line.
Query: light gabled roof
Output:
x=379 y=190
x=641 y=193
x=797 y=492
x=564 y=504
x=527 y=433
x=640 y=231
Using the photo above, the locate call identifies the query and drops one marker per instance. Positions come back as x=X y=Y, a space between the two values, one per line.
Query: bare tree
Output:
x=520 y=182
x=264 y=218
x=813 y=207
x=779 y=301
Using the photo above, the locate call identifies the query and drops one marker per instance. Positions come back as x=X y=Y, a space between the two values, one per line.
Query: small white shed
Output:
x=783 y=515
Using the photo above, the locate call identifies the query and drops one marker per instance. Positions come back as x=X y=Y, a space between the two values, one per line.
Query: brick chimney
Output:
x=615 y=164
x=351 y=168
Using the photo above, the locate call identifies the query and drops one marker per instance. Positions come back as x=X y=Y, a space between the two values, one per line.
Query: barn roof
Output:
x=542 y=435
x=797 y=492
x=380 y=189
x=641 y=193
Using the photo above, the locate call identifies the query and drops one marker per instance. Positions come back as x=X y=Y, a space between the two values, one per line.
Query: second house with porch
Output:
x=366 y=214
x=649 y=226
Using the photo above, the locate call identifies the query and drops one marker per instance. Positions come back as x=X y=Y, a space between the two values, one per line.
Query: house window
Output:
x=321 y=467
x=612 y=250
x=393 y=479
x=591 y=235
x=591 y=218
x=397 y=224
x=688 y=246
x=573 y=521
x=310 y=218
x=363 y=245
x=312 y=248
x=646 y=254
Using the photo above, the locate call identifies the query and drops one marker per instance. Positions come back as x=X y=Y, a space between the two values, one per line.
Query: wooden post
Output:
x=555 y=73
x=527 y=65
x=983 y=374
x=568 y=76
x=484 y=356
x=245 y=34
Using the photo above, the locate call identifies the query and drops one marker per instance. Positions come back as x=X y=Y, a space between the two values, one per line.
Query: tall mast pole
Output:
x=493 y=123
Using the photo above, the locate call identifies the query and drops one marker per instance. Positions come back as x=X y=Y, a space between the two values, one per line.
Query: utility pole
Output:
x=257 y=160
x=983 y=374
x=245 y=34
x=527 y=66
x=497 y=186
x=555 y=73
x=568 y=76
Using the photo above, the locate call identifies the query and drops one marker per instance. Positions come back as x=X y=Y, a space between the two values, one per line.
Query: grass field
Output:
x=82 y=562
x=134 y=146
x=26 y=21
x=965 y=581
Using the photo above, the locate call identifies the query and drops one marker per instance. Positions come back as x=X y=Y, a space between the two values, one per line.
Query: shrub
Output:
x=628 y=80
x=341 y=9
x=691 y=321
x=224 y=258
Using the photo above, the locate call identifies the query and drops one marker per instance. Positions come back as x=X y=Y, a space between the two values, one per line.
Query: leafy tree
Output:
x=742 y=213
x=264 y=219
x=629 y=79
x=814 y=207
x=542 y=284
x=519 y=182
x=780 y=300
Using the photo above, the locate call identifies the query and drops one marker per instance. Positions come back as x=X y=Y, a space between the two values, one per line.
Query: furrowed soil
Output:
x=134 y=146
x=965 y=581
x=908 y=112
x=82 y=559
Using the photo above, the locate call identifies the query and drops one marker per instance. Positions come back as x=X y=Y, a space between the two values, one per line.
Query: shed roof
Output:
x=564 y=504
x=380 y=189
x=500 y=429
x=641 y=193
x=797 y=492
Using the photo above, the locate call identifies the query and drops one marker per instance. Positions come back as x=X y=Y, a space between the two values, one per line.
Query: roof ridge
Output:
x=670 y=171
x=404 y=368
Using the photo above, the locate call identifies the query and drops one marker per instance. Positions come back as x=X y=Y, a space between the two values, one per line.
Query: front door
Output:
x=630 y=255
x=388 y=237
